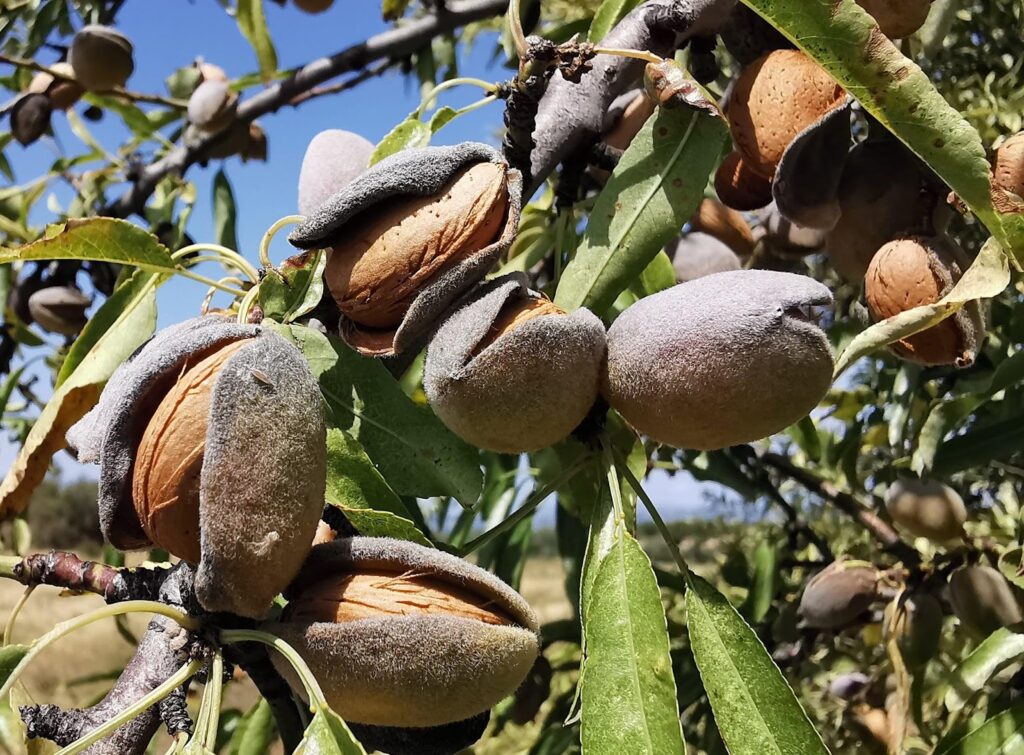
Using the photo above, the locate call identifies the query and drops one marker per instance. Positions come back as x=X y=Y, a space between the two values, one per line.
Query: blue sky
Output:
x=168 y=34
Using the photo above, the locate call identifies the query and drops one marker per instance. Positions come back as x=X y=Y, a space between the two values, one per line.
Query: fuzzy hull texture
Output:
x=725 y=359
x=525 y=391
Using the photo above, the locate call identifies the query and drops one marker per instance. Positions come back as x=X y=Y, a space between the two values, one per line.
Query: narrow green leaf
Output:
x=413 y=450
x=442 y=117
x=754 y=707
x=224 y=212
x=295 y=289
x=981 y=445
x=657 y=276
x=253 y=23
x=352 y=480
x=1001 y=647
x=8 y=387
x=327 y=734
x=73 y=399
x=125 y=297
x=650 y=195
x=392 y=10
x=1002 y=734
x=101 y=239
x=629 y=692
x=10 y=657
x=255 y=732
x=608 y=15
x=358 y=490
x=762 y=586
x=941 y=419
x=410 y=133
x=847 y=43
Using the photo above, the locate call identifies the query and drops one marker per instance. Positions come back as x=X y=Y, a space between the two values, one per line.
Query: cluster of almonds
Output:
x=411 y=238
x=871 y=209
x=212 y=445
x=100 y=59
x=979 y=595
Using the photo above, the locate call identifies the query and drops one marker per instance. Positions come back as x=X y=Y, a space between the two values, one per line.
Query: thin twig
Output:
x=120 y=92
x=848 y=504
x=343 y=86
x=392 y=44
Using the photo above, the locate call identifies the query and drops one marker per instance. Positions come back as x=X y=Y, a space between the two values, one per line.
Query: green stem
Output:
x=8 y=565
x=314 y=693
x=666 y=535
x=269 y=236
x=104 y=612
x=210 y=293
x=645 y=55
x=245 y=305
x=227 y=256
x=209 y=710
x=526 y=509
x=208 y=281
x=515 y=27
x=425 y=105
x=135 y=709
x=9 y=629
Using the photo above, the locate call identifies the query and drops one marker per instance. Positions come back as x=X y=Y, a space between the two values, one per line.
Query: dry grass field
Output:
x=77 y=670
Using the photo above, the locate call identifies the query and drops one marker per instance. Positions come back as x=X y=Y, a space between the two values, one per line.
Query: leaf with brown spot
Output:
x=78 y=394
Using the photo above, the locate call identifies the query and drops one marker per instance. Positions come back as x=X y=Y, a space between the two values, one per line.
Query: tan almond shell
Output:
x=725 y=224
x=416 y=670
x=526 y=390
x=773 y=100
x=169 y=457
x=388 y=255
x=62 y=93
x=913 y=271
x=264 y=465
x=1008 y=175
x=412 y=173
x=838 y=595
x=739 y=186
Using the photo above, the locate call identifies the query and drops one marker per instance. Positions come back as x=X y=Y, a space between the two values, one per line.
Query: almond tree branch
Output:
x=848 y=504
x=120 y=92
x=394 y=43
